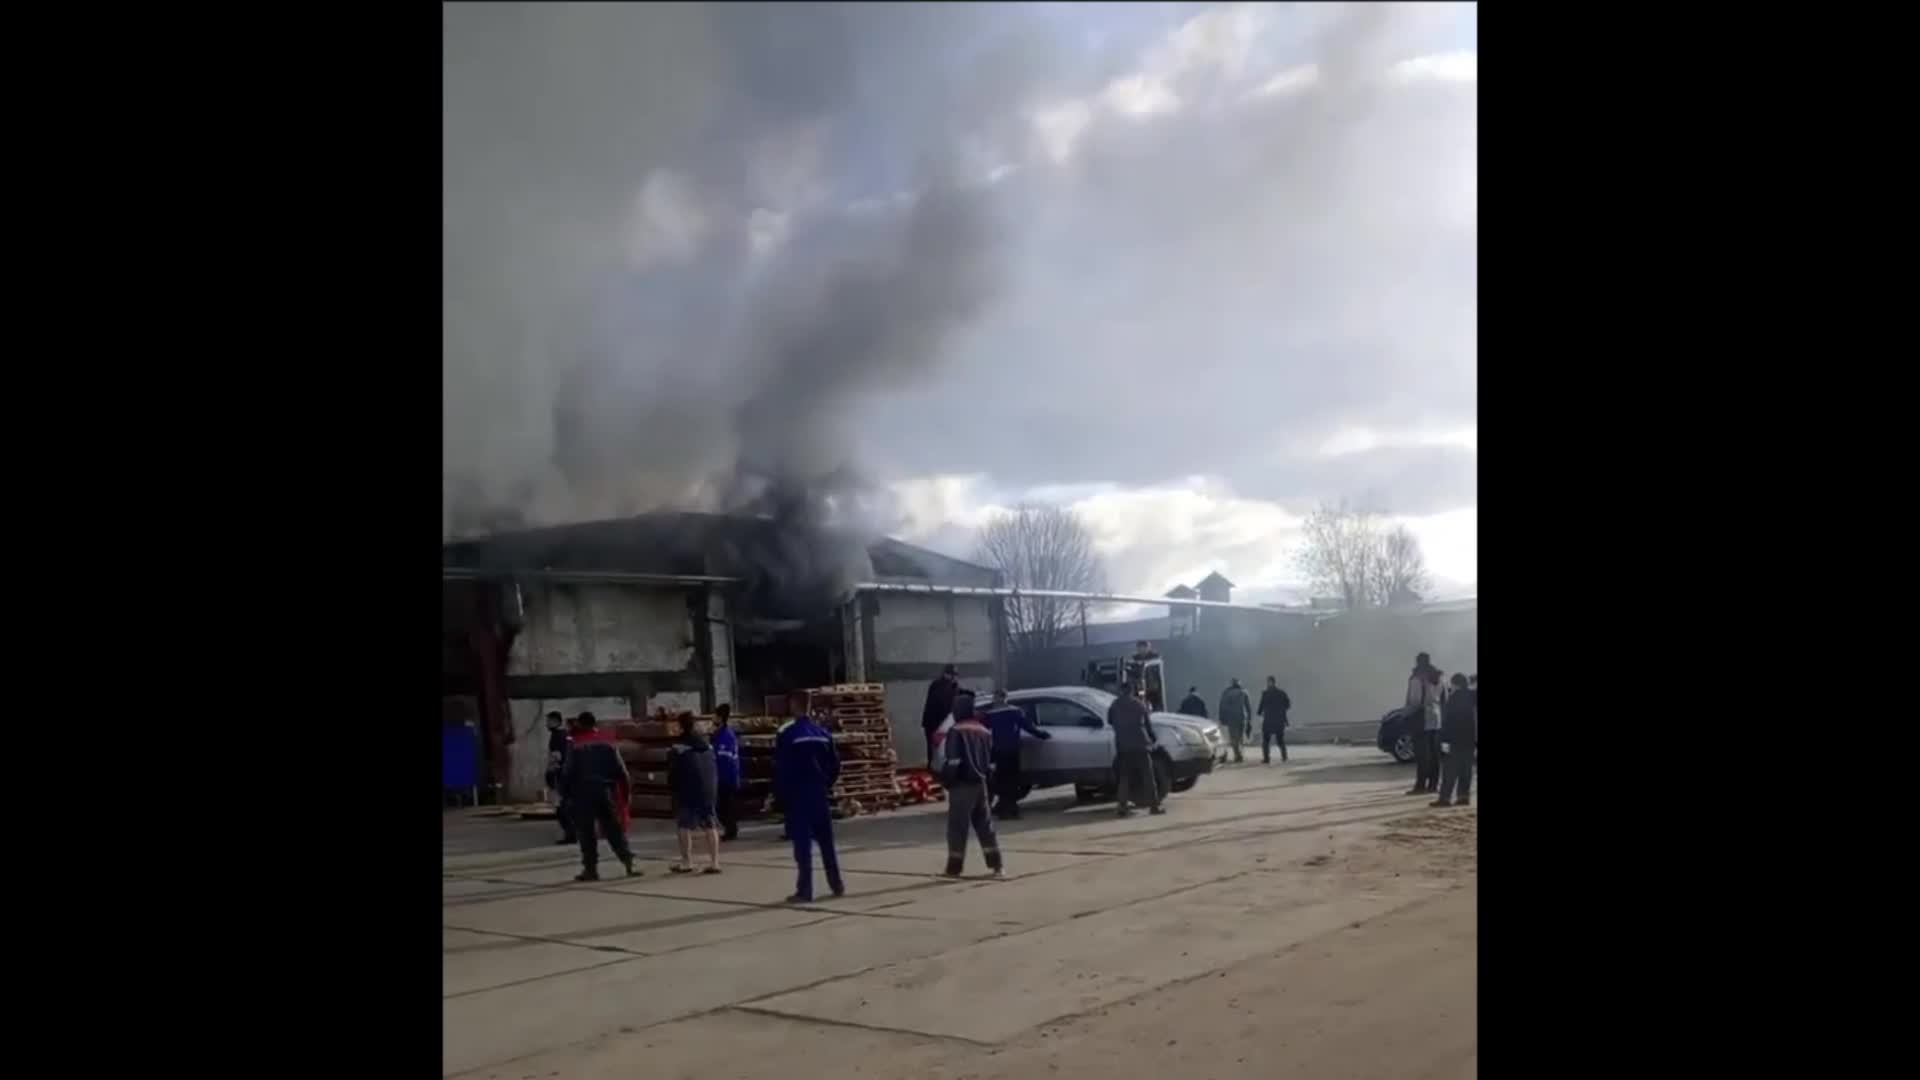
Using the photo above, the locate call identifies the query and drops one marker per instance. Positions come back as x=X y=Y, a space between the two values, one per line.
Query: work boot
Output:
x=587 y=875
x=796 y=898
x=1440 y=802
x=1158 y=810
x=954 y=866
x=1417 y=789
x=631 y=870
x=839 y=891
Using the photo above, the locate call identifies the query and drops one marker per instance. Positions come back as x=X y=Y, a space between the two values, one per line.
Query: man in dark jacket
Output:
x=1191 y=705
x=556 y=760
x=1147 y=679
x=1274 y=704
x=1133 y=737
x=591 y=777
x=695 y=781
x=1459 y=730
x=1006 y=722
x=726 y=765
x=1236 y=711
x=966 y=771
x=805 y=765
x=939 y=706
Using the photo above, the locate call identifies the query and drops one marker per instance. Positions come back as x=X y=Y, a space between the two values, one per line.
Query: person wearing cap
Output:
x=939 y=706
x=966 y=771
x=805 y=768
x=1006 y=722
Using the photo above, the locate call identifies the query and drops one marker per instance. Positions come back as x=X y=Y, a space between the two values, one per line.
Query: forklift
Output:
x=1146 y=672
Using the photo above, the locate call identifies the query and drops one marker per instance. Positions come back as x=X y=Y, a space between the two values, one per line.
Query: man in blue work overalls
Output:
x=805 y=766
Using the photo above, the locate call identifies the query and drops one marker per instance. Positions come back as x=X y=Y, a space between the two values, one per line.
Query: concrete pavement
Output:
x=1096 y=910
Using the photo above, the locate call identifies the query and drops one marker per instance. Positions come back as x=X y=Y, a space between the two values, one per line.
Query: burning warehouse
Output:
x=687 y=611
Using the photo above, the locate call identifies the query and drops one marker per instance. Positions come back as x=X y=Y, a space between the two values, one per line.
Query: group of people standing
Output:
x=594 y=786
x=1443 y=720
x=1237 y=713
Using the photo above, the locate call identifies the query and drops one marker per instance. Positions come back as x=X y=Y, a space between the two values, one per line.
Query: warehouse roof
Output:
x=690 y=544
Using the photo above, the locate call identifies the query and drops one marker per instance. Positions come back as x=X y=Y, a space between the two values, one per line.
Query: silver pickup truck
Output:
x=1080 y=751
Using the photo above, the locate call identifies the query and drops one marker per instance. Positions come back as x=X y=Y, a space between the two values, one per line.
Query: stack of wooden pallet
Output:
x=857 y=717
x=756 y=762
x=643 y=745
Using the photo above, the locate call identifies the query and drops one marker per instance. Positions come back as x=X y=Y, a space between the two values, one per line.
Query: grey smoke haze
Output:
x=699 y=256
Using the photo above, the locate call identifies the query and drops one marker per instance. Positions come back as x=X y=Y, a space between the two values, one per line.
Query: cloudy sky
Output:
x=1190 y=269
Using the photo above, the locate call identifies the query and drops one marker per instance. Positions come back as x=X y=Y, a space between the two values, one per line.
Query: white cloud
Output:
x=766 y=231
x=665 y=222
x=1359 y=440
x=1292 y=80
x=1059 y=127
x=1140 y=95
x=1461 y=66
x=1153 y=538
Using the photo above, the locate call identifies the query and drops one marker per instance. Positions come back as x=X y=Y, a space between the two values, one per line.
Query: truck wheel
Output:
x=1185 y=785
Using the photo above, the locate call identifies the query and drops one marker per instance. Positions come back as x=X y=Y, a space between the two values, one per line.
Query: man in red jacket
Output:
x=597 y=786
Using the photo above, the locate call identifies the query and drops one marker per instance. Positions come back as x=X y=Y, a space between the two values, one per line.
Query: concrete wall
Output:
x=526 y=782
x=1346 y=671
x=906 y=639
x=573 y=629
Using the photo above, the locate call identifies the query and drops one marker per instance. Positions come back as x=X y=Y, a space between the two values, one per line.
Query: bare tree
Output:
x=1399 y=568
x=1041 y=547
x=1352 y=553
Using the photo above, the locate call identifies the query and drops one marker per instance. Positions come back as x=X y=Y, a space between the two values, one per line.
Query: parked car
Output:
x=1394 y=738
x=1081 y=749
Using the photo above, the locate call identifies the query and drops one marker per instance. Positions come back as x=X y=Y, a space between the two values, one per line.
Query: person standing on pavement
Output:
x=694 y=778
x=1421 y=721
x=1006 y=722
x=966 y=771
x=726 y=767
x=939 y=705
x=1133 y=737
x=596 y=784
x=1459 y=730
x=805 y=766
x=1236 y=710
x=1191 y=705
x=556 y=760
x=1274 y=704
